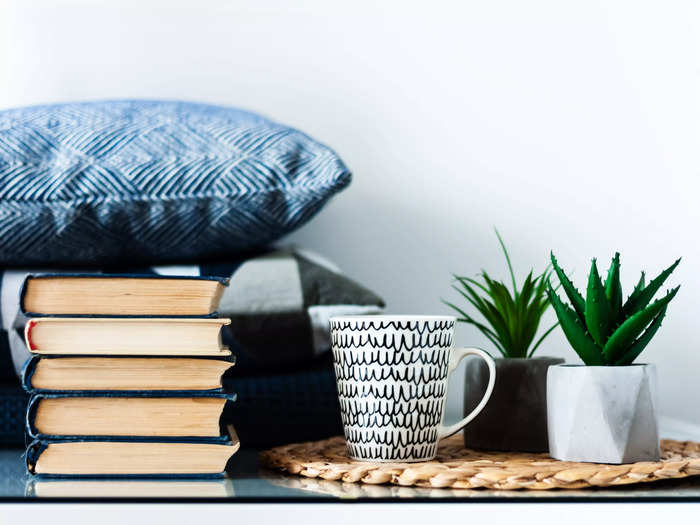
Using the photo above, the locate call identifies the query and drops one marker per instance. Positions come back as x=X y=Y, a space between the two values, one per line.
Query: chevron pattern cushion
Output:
x=100 y=182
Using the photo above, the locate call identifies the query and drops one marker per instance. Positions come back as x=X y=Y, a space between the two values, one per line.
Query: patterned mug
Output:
x=392 y=373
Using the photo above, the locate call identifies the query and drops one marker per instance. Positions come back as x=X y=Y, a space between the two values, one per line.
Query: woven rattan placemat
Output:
x=457 y=467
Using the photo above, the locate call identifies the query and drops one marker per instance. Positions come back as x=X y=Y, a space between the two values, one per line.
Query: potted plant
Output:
x=515 y=418
x=604 y=411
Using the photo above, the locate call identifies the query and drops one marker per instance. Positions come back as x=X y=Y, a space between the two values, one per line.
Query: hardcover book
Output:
x=140 y=415
x=120 y=295
x=53 y=374
x=132 y=336
x=131 y=457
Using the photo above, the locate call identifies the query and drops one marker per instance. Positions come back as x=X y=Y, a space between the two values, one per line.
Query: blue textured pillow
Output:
x=154 y=181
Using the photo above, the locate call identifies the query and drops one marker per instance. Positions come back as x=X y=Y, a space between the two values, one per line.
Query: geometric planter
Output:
x=603 y=414
x=515 y=418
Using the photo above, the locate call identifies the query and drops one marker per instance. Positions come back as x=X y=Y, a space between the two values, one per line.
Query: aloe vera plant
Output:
x=602 y=329
x=511 y=319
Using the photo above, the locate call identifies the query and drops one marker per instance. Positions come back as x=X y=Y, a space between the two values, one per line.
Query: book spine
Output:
x=27 y=372
x=30 y=416
x=31 y=456
x=22 y=293
x=28 y=335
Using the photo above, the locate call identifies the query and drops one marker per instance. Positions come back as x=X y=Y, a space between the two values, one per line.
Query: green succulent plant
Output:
x=602 y=329
x=511 y=319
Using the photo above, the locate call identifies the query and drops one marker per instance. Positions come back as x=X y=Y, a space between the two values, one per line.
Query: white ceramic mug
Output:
x=392 y=373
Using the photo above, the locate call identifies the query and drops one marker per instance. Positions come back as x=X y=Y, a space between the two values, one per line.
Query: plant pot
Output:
x=515 y=418
x=602 y=414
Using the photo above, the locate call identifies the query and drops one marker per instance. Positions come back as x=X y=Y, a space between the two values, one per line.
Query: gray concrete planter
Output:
x=515 y=418
x=603 y=414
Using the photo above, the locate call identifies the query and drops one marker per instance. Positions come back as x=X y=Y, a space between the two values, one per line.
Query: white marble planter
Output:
x=602 y=414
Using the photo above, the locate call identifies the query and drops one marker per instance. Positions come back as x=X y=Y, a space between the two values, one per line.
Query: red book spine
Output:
x=28 y=334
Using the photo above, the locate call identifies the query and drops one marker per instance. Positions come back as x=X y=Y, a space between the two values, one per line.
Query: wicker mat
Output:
x=457 y=467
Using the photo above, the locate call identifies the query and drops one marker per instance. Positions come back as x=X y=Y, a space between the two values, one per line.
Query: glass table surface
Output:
x=248 y=482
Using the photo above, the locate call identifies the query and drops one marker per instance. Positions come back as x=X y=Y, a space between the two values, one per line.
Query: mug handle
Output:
x=455 y=358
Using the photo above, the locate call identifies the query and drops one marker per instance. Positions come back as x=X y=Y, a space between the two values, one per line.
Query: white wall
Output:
x=570 y=126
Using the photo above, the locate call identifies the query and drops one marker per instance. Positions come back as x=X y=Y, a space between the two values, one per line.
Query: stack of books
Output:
x=126 y=377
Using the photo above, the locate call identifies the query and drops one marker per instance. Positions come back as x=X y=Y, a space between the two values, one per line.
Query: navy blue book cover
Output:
x=223 y=280
x=223 y=437
x=38 y=446
x=30 y=367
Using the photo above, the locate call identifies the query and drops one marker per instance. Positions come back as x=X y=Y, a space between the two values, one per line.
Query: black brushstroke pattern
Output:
x=356 y=406
x=411 y=374
x=382 y=357
x=397 y=438
x=391 y=392
x=392 y=341
x=392 y=386
x=353 y=415
x=375 y=324
x=413 y=453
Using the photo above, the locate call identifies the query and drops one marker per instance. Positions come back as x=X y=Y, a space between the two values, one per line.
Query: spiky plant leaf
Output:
x=635 y=293
x=528 y=328
x=472 y=281
x=623 y=338
x=510 y=266
x=501 y=298
x=470 y=294
x=488 y=312
x=522 y=299
x=640 y=344
x=570 y=290
x=641 y=297
x=485 y=329
x=466 y=318
x=597 y=314
x=511 y=318
x=542 y=291
x=613 y=288
x=575 y=331
x=505 y=305
x=641 y=284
